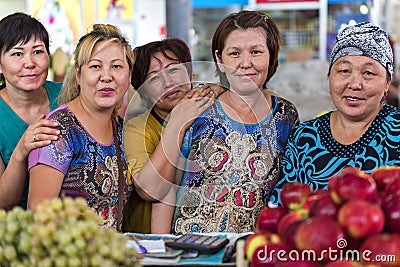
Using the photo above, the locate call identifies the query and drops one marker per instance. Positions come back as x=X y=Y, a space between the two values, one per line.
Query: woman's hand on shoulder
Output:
x=206 y=90
x=191 y=106
x=40 y=133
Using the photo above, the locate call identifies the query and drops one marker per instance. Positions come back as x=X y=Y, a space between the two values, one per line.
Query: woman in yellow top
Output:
x=161 y=76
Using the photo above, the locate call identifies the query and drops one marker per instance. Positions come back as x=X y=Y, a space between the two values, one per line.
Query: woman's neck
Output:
x=97 y=123
x=28 y=105
x=247 y=109
x=348 y=131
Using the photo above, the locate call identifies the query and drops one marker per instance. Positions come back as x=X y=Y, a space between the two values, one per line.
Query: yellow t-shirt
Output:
x=141 y=137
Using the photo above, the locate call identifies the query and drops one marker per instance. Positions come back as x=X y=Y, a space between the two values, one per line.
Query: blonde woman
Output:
x=87 y=161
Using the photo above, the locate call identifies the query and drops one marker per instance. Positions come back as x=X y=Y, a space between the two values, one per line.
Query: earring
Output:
x=385 y=96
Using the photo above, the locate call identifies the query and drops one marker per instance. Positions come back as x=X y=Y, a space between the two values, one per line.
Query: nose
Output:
x=105 y=76
x=166 y=80
x=29 y=61
x=245 y=61
x=355 y=82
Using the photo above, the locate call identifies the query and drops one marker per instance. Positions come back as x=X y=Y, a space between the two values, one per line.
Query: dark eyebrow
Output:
x=347 y=62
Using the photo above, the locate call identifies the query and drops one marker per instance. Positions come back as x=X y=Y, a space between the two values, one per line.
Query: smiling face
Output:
x=357 y=86
x=25 y=66
x=167 y=82
x=245 y=59
x=105 y=78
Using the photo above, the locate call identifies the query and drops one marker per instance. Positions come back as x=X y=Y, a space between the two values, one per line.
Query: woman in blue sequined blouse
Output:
x=233 y=151
x=86 y=160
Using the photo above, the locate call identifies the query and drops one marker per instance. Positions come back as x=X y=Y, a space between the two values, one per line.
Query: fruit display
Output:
x=355 y=222
x=62 y=232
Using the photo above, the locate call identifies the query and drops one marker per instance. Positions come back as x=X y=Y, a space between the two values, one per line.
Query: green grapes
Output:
x=60 y=233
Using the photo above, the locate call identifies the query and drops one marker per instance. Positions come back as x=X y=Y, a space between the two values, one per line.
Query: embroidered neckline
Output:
x=349 y=151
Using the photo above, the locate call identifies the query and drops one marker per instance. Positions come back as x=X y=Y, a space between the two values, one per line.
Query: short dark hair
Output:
x=20 y=27
x=144 y=53
x=243 y=20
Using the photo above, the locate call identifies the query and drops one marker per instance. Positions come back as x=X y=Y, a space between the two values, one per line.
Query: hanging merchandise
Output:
x=57 y=23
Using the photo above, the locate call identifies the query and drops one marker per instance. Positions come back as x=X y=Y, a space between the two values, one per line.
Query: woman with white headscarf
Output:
x=362 y=132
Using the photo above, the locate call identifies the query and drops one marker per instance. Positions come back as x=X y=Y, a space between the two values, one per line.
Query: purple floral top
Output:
x=90 y=168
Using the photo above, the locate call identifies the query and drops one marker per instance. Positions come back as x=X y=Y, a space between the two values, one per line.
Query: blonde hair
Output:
x=83 y=52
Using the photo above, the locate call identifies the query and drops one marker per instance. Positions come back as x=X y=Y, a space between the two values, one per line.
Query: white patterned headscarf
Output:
x=364 y=39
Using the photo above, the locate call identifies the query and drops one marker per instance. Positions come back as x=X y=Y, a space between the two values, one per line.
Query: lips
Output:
x=246 y=74
x=31 y=76
x=171 y=94
x=106 y=91
x=353 y=98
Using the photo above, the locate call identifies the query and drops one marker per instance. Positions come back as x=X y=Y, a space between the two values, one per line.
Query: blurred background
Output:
x=308 y=29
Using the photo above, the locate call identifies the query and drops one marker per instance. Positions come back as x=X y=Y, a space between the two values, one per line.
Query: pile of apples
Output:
x=359 y=214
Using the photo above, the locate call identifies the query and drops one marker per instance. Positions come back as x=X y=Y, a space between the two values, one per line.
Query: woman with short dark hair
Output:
x=25 y=97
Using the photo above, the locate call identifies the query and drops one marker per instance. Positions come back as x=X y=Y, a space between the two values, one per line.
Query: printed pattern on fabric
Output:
x=312 y=155
x=90 y=168
x=364 y=39
x=231 y=169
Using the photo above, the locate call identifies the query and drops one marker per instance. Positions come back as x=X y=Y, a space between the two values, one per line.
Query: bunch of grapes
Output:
x=61 y=232
x=14 y=238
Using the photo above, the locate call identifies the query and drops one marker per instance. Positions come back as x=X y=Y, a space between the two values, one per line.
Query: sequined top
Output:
x=231 y=169
x=90 y=168
x=312 y=155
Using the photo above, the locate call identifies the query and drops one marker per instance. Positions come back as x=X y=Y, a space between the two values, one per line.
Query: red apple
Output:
x=324 y=206
x=384 y=175
x=393 y=189
x=293 y=216
x=343 y=264
x=259 y=239
x=314 y=197
x=268 y=255
x=294 y=195
x=317 y=234
x=268 y=219
x=287 y=234
x=352 y=183
x=361 y=218
x=381 y=250
x=381 y=198
x=392 y=214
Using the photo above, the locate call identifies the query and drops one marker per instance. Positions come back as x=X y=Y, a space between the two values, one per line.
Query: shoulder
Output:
x=61 y=114
x=285 y=109
x=142 y=121
x=273 y=95
x=52 y=86
x=392 y=112
x=53 y=91
x=137 y=121
x=283 y=104
x=283 y=101
x=310 y=127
